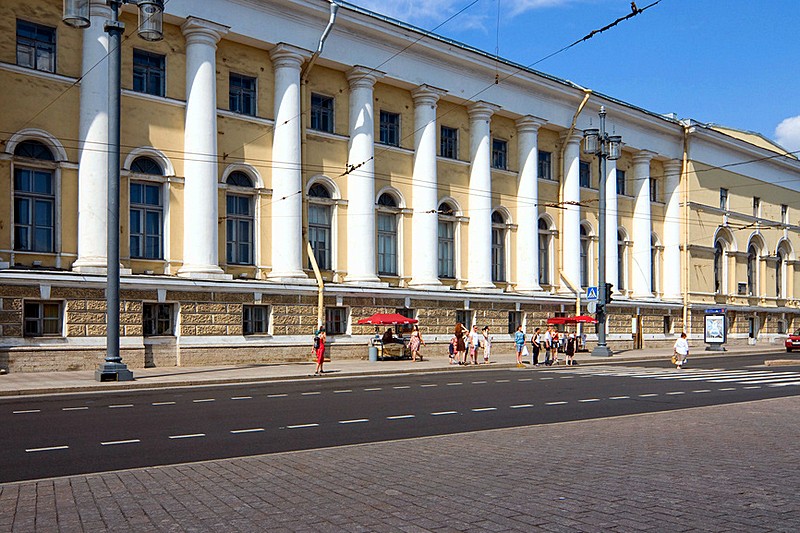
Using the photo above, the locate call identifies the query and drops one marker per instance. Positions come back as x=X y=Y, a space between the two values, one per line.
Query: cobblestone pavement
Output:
x=722 y=468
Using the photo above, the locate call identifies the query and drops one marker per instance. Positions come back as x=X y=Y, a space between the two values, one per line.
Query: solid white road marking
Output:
x=188 y=436
x=354 y=421
x=48 y=449
x=442 y=413
x=399 y=417
x=302 y=426
x=522 y=406
x=74 y=408
x=27 y=411
x=252 y=430
x=115 y=442
x=120 y=406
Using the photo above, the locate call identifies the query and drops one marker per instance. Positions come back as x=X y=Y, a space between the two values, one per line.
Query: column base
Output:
x=291 y=280
x=99 y=269
x=366 y=284
x=644 y=296
x=211 y=272
x=530 y=289
x=430 y=284
x=482 y=287
x=602 y=351
x=109 y=371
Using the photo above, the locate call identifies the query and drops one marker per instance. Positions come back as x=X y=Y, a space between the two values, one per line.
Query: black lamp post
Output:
x=77 y=15
x=598 y=142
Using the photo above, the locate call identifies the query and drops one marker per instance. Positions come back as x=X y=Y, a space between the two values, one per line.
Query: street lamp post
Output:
x=598 y=142
x=77 y=15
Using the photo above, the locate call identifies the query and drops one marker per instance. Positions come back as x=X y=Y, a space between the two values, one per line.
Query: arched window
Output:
x=498 y=247
x=655 y=271
x=545 y=244
x=240 y=221
x=752 y=270
x=447 y=243
x=146 y=211
x=585 y=246
x=387 y=235
x=718 y=268
x=780 y=267
x=34 y=199
x=320 y=230
x=621 y=262
x=146 y=165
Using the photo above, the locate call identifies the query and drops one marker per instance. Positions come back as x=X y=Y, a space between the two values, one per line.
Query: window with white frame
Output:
x=498 y=247
x=157 y=319
x=240 y=220
x=149 y=73
x=545 y=165
x=242 y=94
x=449 y=142
x=586 y=243
x=719 y=255
x=255 y=319
x=545 y=244
x=500 y=154
x=146 y=214
x=655 y=258
x=752 y=270
x=446 y=241
x=389 y=128
x=621 y=249
x=42 y=319
x=320 y=232
x=335 y=320
x=34 y=198
x=387 y=235
x=36 y=46
x=322 y=113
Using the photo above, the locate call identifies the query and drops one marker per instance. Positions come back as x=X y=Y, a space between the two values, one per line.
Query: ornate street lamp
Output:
x=598 y=142
x=77 y=15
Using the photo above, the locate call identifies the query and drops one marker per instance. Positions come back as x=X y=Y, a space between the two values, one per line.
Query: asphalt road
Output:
x=64 y=435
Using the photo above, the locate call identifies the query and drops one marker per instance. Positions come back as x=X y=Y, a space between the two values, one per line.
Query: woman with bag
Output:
x=535 y=345
x=414 y=344
x=319 y=350
x=487 y=345
x=680 y=351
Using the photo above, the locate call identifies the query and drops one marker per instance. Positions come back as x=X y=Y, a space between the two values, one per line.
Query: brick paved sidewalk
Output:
x=722 y=468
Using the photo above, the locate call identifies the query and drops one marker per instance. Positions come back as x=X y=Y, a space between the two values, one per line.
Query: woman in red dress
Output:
x=320 y=351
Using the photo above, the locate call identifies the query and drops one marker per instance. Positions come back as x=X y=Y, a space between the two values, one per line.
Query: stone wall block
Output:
x=130 y=318
x=96 y=305
x=12 y=330
x=19 y=291
x=227 y=319
x=235 y=329
x=187 y=329
x=75 y=293
x=211 y=330
x=76 y=330
x=12 y=304
x=76 y=305
x=210 y=308
x=10 y=317
x=234 y=308
x=96 y=330
x=134 y=330
x=196 y=319
x=86 y=318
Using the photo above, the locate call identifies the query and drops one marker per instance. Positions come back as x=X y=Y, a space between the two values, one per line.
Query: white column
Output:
x=361 y=260
x=612 y=223
x=424 y=191
x=287 y=175
x=480 y=197
x=93 y=145
x=571 y=214
x=527 y=248
x=672 y=230
x=200 y=215
x=642 y=226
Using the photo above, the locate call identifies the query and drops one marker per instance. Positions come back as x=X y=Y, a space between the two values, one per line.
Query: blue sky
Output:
x=729 y=62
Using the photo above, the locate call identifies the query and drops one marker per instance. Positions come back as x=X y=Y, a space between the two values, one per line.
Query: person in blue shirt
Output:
x=519 y=342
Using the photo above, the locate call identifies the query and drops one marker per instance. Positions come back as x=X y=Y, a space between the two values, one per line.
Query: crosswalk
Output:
x=768 y=378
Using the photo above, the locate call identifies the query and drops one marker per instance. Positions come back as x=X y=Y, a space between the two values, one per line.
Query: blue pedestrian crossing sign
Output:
x=591 y=293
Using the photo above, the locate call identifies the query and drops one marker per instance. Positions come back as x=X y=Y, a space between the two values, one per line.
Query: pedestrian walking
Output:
x=569 y=349
x=461 y=347
x=319 y=349
x=474 y=344
x=548 y=346
x=536 y=341
x=451 y=350
x=680 y=352
x=519 y=344
x=414 y=344
x=487 y=345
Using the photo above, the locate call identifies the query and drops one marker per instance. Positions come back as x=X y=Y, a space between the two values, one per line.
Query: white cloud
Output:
x=788 y=133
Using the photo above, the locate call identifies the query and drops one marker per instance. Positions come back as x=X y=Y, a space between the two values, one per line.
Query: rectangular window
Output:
x=322 y=113
x=239 y=230
x=723 y=199
x=756 y=207
x=242 y=94
x=36 y=46
x=782 y=327
x=42 y=319
x=499 y=154
x=146 y=221
x=654 y=190
x=464 y=316
x=390 y=128
x=319 y=234
x=34 y=210
x=387 y=244
x=514 y=321
x=449 y=142
x=335 y=320
x=545 y=165
x=585 y=174
x=498 y=254
x=447 y=246
x=149 y=72
x=668 y=325
x=621 y=183
x=255 y=319
x=408 y=313
x=785 y=214
x=156 y=319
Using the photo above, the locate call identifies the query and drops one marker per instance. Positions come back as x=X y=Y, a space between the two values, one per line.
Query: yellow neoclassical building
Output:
x=419 y=184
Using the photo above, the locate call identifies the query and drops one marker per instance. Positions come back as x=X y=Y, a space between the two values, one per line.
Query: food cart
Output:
x=569 y=320
x=396 y=350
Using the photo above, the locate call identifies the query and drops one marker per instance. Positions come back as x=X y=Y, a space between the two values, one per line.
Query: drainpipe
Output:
x=570 y=283
x=303 y=149
x=687 y=129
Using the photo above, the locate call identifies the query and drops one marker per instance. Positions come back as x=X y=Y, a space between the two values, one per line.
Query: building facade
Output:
x=418 y=184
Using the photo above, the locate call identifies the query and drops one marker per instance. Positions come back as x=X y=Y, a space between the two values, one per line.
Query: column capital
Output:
x=286 y=55
x=672 y=168
x=100 y=8
x=427 y=95
x=530 y=123
x=201 y=31
x=482 y=110
x=363 y=77
x=643 y=156
x=575 y=138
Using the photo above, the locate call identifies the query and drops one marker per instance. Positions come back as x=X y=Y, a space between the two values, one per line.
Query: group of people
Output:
x=415 y=342
x=466 y=344
x=547 y=342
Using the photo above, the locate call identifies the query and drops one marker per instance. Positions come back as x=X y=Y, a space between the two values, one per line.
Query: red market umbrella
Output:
x=557 y=320
x=387 y=319
x=580 y=319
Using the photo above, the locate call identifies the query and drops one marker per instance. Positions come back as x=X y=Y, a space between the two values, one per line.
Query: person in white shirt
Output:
x=474 y=344
x=681 y=351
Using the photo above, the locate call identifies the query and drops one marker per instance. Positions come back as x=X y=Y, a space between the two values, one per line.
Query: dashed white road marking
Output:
x=162 y=403
x=74 y=408
x=354 y=421
x=620 y=398
x=545 y=379
x=277 y=395
x=425 y=385
x=373 y=389
x=455 y=383
x=556 y=403
x=402 y=387
x=343 y=391
x=116 y=442
x=188 y=436
x=676 y=393
x=399 y=417
x=522 y=406
x=241 y=397
x=701 y=391
x=443 y=413
x=204 y=400
x=48 y=449
x=727 y=389
x=483 y=409
x=651 y=395
x=120 y=406
x=251 y=430
x=313 y=393
x=752 y=387
x=587 y=400
x=302 y=426
x=479 y=382
x=525 y=379
x=27 y=411
x=503 y=381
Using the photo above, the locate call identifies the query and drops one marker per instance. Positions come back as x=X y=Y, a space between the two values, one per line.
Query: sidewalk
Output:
x=36 y=383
